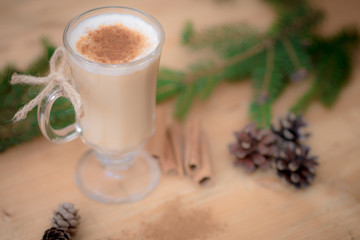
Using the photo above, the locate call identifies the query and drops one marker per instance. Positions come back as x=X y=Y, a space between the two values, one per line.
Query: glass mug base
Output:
x=128 y=183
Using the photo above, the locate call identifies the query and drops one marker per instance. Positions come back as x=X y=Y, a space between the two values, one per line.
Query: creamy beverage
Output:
x=117 y=83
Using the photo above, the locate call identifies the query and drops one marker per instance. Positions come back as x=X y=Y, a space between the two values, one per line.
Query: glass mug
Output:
x=119 y=103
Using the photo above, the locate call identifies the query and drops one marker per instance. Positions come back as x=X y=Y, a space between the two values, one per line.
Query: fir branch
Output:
x=239 y=46
x=13 y=97
x=244 y=52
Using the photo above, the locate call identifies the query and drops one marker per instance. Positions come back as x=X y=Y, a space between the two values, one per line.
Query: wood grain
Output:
x=36 y=176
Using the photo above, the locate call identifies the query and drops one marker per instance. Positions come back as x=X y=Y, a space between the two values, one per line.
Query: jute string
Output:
x=57 y=78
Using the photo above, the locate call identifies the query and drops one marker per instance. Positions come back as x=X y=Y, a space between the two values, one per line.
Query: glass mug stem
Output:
x=63 y=135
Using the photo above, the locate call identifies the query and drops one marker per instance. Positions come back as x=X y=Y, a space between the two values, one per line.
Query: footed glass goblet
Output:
x=119 y=103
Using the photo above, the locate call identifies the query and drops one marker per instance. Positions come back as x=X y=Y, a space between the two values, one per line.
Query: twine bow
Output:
x=57 y=78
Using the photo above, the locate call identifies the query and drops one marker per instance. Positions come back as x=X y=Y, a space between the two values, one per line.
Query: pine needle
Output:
x=260 y=113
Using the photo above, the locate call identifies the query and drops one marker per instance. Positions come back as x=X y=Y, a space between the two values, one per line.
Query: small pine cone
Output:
x=291 y=129
x=56 y=234
x=66 y=218
x=295 y=165
x=254 y=148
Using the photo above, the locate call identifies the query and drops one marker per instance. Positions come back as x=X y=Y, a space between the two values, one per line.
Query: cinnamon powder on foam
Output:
x=112 y=44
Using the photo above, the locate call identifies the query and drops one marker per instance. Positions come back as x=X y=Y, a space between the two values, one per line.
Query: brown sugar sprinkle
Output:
x=111 y=44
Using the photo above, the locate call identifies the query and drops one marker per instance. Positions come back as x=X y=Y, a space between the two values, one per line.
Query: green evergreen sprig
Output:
x=289 y=51
x=13 y=97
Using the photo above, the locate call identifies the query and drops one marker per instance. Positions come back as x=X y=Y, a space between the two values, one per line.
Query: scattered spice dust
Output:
x=112 y=44
x=176 y=222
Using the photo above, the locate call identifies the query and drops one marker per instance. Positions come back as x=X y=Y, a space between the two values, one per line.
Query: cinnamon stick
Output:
x=177 y=146
x=156 y=145
x=204 y=175
x=168 y=165
x=192 y=147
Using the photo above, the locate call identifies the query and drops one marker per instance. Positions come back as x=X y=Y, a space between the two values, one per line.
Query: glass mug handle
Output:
x=63 y=135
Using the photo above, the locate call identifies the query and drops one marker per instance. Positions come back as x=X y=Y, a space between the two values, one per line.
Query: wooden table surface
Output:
x=36 y=176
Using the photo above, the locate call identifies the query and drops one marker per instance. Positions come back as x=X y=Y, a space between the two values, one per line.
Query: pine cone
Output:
x=295 y=165
x=254 y=148
x=56 y=234
x=66 y=218
x=291 y=129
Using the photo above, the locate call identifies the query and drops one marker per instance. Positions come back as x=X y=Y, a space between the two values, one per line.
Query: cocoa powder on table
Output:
x=176 y=222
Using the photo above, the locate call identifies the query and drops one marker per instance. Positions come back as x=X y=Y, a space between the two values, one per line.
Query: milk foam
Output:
x=129 y=21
